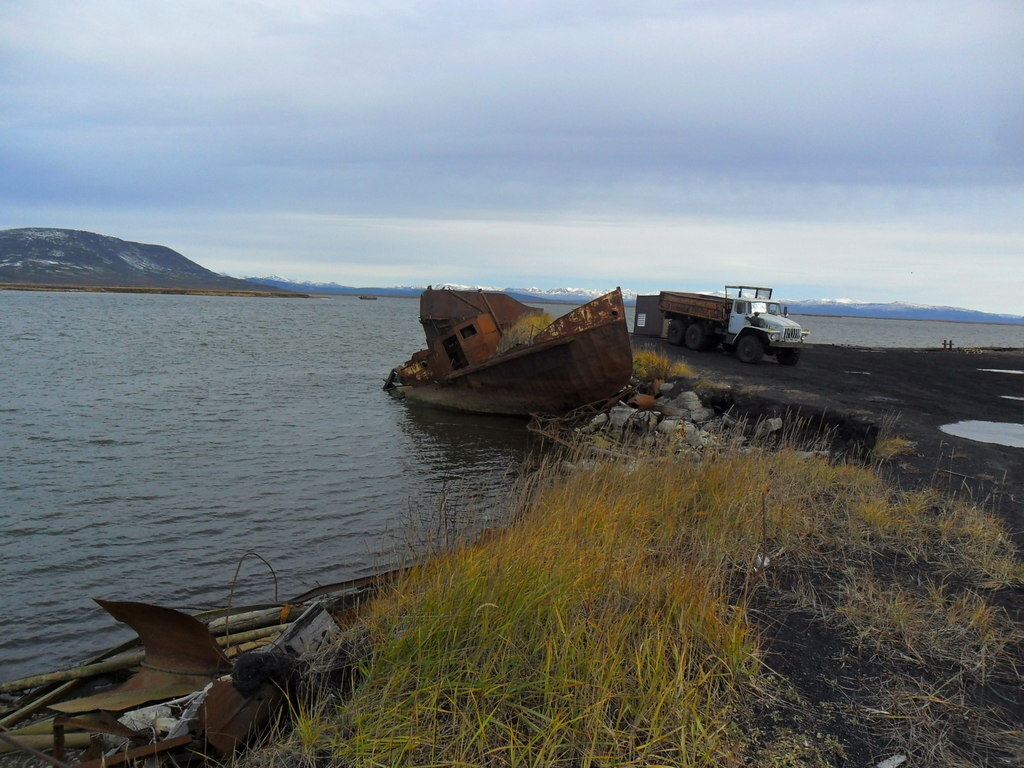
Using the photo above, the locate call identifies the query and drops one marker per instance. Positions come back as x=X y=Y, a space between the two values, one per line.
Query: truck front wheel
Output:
x=788 y=356
x=696 y=336
x=675 y=332
x=749 y=349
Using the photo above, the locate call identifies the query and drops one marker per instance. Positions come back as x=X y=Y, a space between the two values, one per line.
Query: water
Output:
x=148 y=442
x=871 y=332
x=998 y=432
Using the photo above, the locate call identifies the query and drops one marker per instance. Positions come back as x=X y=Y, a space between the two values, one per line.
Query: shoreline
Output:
x=152 y=290
x=912 y=319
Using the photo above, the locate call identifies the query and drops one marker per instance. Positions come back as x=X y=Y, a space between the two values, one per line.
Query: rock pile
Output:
x=677 y=420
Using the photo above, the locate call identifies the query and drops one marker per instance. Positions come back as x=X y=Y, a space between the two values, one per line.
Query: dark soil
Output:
x=856 y=395
x=858 y=391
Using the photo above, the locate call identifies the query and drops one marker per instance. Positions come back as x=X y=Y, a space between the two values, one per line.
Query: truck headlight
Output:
x=773 y=336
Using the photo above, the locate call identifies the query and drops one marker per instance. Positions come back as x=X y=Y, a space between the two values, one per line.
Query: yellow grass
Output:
x=610 y=624
x=523 y=330
x=651 y=366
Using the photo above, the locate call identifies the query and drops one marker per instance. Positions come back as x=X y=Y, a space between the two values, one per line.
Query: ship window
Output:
x=456 y=356
x=641 y=320
x=469 y=330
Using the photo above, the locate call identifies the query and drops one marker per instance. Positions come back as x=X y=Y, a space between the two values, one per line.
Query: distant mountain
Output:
x=554 y=295
x=898 y=310
x=69 y=257
x=840 y=307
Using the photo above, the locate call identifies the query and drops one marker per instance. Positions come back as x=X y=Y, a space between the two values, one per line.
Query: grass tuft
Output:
x=651 y=366
x=523 y=331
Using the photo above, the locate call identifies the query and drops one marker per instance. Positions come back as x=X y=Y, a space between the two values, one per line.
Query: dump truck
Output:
x=745 y=321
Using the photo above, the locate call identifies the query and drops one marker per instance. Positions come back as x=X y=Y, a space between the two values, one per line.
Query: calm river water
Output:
x=147 y=443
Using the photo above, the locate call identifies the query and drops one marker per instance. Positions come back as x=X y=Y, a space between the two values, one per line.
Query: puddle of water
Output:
x=1000 y=370
x=997 y=432
x=1011 y=397
x=859 y=373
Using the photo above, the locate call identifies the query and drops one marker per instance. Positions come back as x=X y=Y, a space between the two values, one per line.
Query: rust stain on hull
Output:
x=581 y=357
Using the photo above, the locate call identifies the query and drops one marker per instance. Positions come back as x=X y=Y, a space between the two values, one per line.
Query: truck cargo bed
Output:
x=714 y=308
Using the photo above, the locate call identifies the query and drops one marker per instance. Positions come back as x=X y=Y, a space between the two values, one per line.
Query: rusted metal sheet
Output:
x=181 y=656
x=227 y=717
x=137 y=753
x=579 y=358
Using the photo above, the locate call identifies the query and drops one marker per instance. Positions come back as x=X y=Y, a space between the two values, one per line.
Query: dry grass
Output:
x=523 y=331
x=890 y=445
x=610 y=624
x=650 y=366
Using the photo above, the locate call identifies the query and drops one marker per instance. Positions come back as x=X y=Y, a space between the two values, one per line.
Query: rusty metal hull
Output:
x=582 y=357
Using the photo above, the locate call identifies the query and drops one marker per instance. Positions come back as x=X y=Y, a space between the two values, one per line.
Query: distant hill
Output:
x=69 y=257
x=838 y=307
x=537 y=295
x=898 y=310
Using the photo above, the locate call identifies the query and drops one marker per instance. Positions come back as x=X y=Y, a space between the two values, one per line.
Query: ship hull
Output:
x=583 y=357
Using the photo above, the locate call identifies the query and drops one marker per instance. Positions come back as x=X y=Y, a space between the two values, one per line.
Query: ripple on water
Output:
x=144 y=466
x=996 y=432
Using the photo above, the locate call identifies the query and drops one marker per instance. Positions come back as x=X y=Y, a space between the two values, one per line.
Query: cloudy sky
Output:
x=834 y=148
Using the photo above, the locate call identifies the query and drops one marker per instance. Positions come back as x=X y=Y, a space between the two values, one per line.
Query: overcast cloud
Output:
x=872 y=150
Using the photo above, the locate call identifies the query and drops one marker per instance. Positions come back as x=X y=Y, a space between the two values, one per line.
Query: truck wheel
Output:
x=675 y=333
x=696 y=336
x=788 y=356
x=749 y=349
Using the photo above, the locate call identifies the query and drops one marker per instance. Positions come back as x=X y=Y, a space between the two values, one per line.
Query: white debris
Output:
x=687 y=401
x=669 y=426
x=702 y=414
x=768 y=426
x=619 y=415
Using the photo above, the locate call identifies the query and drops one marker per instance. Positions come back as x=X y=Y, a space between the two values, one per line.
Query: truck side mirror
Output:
x=785 y=311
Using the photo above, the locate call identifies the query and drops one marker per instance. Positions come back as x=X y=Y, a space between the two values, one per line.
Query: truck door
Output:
x=738 y=317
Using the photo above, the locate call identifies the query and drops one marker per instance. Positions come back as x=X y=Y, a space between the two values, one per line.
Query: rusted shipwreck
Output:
x=470 y=365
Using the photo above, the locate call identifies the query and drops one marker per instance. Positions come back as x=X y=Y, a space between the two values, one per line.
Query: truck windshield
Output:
x=769 y=307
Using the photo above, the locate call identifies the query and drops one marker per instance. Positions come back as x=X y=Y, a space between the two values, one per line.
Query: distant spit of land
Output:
x=138 y=289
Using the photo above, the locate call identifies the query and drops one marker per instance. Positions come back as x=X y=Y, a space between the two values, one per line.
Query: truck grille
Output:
x=792 y=334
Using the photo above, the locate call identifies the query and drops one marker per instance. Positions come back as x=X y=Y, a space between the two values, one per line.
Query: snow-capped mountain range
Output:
x=843 y=307
x=42 y=256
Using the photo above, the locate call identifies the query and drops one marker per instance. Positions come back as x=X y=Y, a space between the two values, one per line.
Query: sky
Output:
x=833 y=149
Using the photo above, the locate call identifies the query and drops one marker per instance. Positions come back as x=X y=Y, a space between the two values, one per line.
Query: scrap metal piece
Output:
x=181 y=656
x=228 y=716
x=23 y=746
x=138 y=752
